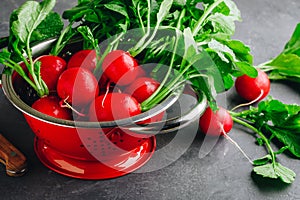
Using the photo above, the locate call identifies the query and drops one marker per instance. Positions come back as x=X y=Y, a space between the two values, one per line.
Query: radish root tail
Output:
x=65 y=104
x=238 y=147
x=249 y=103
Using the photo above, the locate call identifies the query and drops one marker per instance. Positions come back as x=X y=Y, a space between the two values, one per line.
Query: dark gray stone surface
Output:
x=222 y=174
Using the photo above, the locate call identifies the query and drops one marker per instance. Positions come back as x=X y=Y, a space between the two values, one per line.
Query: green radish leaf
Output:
x=281 y=150
x=86 y=10
x=36 y=12
x=164 y=10
x=293 y=109
x=247 y=69
x=223 y=51
x=293 y=45
x=4 y=54
x=278 y=120
x=17 y=49
x=285 y=174
x=274 y=111
x=289 y=136
x=50 y=27
x=286 y=65
x=180 y=2
x=117 y=8
x=262 y=161
x=228 y=8
x=222 y=23
x=234 y=12
x=275 y=171
x=266 y=170
x=77 y=13
x=228 y=81
x=241 y=51
x=274 y=75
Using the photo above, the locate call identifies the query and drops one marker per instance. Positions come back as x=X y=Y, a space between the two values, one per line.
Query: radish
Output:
x=120 y=67
x=219 y=123
x=142 y=88
x=51 y=69
x=50 y=105
x=86 y=58
x=215 y=123
x=78 y=86
x=253 y=89
x=113 y=106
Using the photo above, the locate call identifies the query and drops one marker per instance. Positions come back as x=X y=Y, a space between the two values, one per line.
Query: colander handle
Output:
x=12 y=158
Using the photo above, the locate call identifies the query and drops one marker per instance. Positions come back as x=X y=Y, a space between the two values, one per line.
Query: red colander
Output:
x=93 y=150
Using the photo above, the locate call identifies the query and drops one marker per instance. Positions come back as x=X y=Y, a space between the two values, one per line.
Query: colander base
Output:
x=94 y=170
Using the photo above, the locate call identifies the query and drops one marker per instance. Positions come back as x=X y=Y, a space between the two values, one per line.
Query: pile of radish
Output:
x=76 y=93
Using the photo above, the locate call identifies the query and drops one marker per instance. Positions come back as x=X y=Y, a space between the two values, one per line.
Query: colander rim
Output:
x=13 y=97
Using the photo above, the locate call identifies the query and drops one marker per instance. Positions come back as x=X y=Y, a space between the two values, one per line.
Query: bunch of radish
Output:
x=219 y=122
x=116 y=94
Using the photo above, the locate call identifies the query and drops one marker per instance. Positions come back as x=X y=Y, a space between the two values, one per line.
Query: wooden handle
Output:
x=12 y=158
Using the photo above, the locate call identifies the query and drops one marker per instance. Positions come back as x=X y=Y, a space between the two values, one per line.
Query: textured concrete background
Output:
x=223 y=174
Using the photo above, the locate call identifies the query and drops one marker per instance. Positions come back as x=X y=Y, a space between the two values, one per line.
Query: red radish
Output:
x=50 y=105
x=78 y=86
x=253 y=89
x=86 y=58
x=51 y=69
x=215 y=123
x=120 y=67
x=219 y=123
x=142 y=88
x=113 y=106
